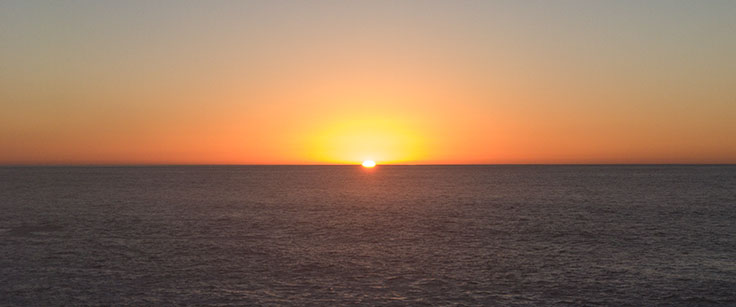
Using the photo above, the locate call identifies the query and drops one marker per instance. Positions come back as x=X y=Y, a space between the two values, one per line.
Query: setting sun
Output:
x=369 y=163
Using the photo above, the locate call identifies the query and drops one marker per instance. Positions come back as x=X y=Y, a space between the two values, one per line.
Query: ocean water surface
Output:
x=343 y=235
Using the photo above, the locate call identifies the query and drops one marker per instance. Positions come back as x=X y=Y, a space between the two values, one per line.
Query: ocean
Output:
x=345 y=235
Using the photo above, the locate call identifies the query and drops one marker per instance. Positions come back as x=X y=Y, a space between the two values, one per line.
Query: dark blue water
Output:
x=434 y=235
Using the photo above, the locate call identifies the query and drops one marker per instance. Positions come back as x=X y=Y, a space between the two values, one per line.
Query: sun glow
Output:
x=369 y=163
x=349 y=140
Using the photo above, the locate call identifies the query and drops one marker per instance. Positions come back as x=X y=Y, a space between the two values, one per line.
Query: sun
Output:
x=369 y=163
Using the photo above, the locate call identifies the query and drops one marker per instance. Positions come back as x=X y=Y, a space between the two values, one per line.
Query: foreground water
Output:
x=325 y=235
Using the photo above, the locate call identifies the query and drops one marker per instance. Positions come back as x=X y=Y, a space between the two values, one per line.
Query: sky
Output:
x=339 y=82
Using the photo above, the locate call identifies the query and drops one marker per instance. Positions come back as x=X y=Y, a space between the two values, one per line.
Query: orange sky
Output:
x=397 y=82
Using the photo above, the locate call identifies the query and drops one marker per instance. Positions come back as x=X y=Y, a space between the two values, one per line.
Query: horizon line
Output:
x=356 y=164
